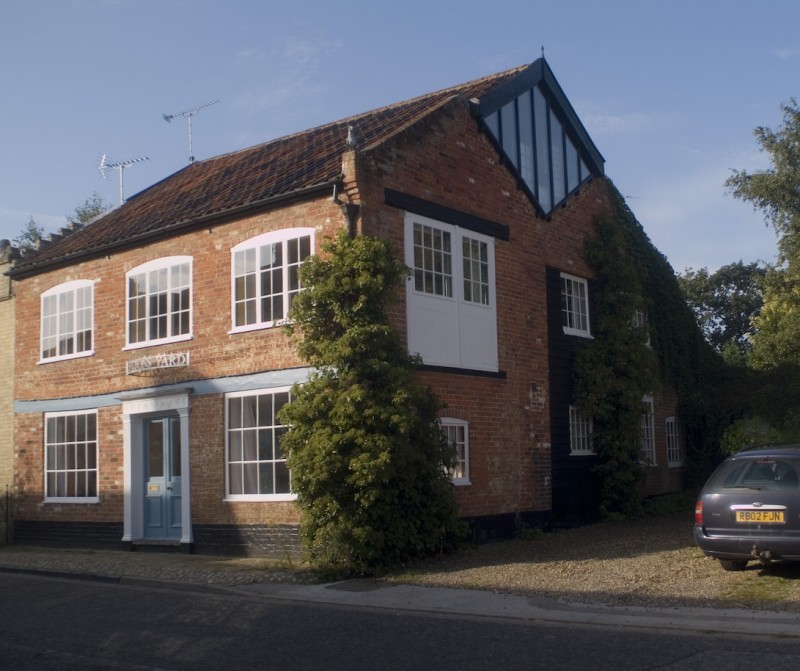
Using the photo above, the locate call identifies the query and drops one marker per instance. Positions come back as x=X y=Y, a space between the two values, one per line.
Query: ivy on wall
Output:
x=624 y=362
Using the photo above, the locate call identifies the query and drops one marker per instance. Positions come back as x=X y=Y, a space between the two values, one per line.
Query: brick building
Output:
x=150 y=362
x=7 y=256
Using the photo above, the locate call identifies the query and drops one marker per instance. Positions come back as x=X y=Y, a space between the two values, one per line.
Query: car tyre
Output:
x=733 y=564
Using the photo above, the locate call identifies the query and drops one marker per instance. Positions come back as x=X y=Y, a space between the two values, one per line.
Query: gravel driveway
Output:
x=650 y=562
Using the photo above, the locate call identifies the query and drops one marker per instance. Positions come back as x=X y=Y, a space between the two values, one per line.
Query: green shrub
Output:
x=367 y=457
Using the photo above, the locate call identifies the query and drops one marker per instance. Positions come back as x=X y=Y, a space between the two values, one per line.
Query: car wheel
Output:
x=733 y=564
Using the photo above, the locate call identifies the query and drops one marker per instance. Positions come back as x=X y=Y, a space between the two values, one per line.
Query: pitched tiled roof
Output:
x=223 y=184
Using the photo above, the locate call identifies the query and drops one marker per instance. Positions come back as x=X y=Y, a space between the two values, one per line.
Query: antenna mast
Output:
x=105 y=163
x=188 y=114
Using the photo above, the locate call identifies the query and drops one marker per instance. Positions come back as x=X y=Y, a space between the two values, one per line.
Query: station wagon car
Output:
x=750 y=508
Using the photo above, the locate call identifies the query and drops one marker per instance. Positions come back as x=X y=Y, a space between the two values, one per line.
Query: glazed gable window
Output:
x=574 y=305
x=265 y=277
x=451 y=302
x=159 y=302
x=541 y=148
x=67 y=321
x=456 y=431
x=71 y=456
x=255 y=463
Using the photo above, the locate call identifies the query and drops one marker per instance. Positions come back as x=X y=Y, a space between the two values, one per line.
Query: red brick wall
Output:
x=446 y=159
x=214 y=353
x=443 y=158
x=29 y=461
x=208 y=474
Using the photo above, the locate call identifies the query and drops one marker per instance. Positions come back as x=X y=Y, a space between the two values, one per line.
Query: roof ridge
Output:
x=257 y=174
x=373 y=111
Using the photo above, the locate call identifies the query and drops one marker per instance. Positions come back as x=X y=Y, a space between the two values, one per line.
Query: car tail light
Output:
x=698 y=513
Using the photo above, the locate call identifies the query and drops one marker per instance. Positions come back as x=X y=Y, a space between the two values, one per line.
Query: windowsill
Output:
x=452 y=370
x=66 y=357
x=575 y=332
x=259 y=498
x=74 y=499
x=249 y=328
x=583 y=454
x=678 y=464
x=461 y=482
x=426 y=294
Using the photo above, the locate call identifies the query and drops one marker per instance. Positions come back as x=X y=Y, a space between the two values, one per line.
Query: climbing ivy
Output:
x=623 y=363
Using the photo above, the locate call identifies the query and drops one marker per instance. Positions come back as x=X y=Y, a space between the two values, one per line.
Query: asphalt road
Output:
x=66 y=624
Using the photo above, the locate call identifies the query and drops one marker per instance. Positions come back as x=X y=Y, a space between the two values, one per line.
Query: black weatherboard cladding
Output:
x=575 y=488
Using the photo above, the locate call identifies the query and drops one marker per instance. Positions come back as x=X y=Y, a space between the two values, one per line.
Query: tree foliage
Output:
x=92 y=207
x=777 y=337
x=31 y=236
x=724 y=303
x=776 y=193
x=28 y=239
x=366 y=454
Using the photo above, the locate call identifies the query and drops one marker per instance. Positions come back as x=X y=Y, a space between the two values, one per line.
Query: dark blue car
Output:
x=749 y=510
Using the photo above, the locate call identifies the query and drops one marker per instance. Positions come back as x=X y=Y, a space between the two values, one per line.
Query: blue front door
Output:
x=162 y=469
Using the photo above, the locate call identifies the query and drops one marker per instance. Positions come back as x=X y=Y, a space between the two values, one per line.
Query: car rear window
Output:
x=772 y=473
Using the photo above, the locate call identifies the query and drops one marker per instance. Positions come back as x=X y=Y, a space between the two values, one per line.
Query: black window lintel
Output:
x=427 y=208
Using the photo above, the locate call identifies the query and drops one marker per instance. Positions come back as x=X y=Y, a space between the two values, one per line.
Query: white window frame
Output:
x=446 y=326
x=640 y=321
x=256 y=246
x=477 y=275
x=273 y=425
x=648 y=435
x=576 y=309
x=674 y=446
x=67 y=321
x=433 y=269
x=64 y=464
x=451 y=427
x=149 y=269
x=580 y=432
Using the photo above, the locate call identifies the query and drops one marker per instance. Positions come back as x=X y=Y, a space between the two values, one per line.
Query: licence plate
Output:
x=763 y=516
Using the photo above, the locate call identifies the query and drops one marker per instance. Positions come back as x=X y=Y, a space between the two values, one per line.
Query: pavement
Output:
x=258 y=578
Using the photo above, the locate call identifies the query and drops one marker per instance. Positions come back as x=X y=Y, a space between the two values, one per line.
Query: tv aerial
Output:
x=105 y=163
x=188 y=114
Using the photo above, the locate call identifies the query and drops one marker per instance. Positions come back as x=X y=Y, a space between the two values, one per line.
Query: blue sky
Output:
x=669 y=91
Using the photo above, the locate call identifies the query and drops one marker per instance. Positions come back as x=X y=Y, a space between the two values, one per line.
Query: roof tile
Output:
x=224 y=183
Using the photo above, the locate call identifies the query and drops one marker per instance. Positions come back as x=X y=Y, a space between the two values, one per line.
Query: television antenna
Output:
x=188 y=114
x=105 y=163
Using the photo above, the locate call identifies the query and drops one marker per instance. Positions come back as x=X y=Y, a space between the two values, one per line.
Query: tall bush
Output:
x=366 y=454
